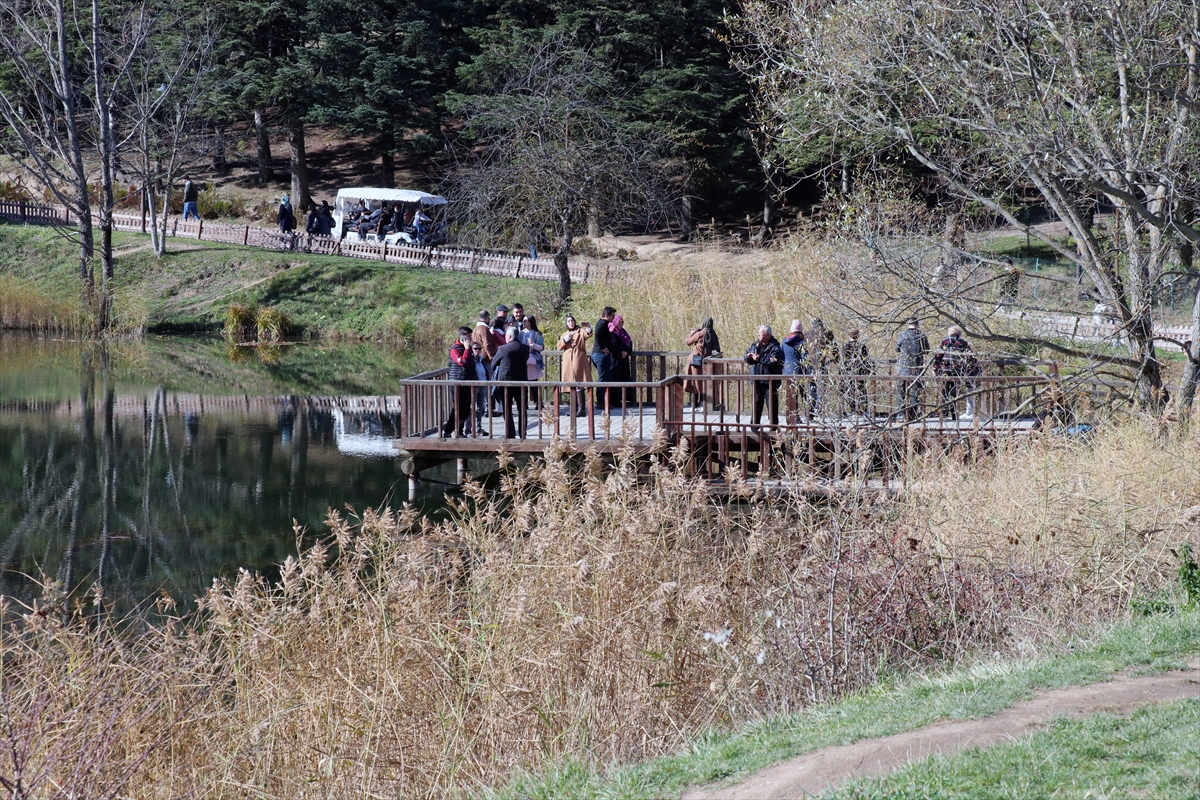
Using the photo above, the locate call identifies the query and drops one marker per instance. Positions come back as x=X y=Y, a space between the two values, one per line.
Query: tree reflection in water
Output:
x=144 y=490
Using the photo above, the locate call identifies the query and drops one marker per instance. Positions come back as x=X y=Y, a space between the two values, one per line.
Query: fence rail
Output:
x=458 y=259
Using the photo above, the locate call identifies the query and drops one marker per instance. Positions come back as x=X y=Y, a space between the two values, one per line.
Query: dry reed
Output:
x=604 y=615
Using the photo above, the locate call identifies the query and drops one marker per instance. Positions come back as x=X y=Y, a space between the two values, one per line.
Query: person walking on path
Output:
x=956 y=364
x=602 y=353
x=286 y=217
x=795 y=363
x=509 y=365
x=622 y=358
x=191 y=199
x=576 y=366
x=856 y=360
x=461 y=366
x=704 y=344
x=912 y=346
x=765 y=357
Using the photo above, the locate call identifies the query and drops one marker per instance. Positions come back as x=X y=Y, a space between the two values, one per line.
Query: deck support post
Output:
x=462 y=473
x=414 y=481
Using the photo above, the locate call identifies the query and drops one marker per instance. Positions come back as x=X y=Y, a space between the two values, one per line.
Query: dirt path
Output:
x=816 y=772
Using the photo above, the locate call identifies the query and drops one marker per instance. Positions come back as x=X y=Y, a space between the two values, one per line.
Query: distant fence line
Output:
x=456 y=259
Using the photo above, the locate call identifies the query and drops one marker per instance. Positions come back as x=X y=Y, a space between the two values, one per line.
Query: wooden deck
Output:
x=829 y=425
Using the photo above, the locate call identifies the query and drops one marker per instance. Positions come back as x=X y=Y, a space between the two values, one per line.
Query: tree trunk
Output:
x=954 y=238
x=768 y=224
x=1186 y=248
x=220 y=163
x=564 y=271
x=686 y=216
x=845 y=177
x=263 y=138
x=299 y=165
x=387 y=159
x=1191 y=370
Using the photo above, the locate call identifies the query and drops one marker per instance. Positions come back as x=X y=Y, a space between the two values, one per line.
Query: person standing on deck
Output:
x=622 y=351
x=704 y=344
x=482 y=335
x=602 y=353
x=795 y=362
x=856 y=360
x=576 y=366
x=510 y=365
x=912 y=345
x=765 y=357
x=955 y=363
x=461 y=366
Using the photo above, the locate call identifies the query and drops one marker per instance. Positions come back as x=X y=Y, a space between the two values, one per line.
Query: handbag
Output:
x=697 y=361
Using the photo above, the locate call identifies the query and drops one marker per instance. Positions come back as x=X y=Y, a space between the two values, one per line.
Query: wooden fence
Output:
x=456 y=259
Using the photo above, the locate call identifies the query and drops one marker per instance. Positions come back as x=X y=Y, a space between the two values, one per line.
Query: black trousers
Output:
x=459 y=420
x=909 y=398
x=761 y=390
x=508 y=396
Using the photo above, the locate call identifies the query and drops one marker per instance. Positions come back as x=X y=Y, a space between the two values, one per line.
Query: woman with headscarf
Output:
x=704 y=344
x=622 y=353
x=576 y=361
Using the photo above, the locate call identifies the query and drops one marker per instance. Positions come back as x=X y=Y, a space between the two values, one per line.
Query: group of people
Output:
x=814 y=354
x=508 y=347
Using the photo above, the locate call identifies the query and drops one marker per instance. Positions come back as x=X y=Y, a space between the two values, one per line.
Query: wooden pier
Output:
x=830 y=427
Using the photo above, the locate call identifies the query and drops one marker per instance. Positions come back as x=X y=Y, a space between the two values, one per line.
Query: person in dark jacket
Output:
x=312 y=221
x=954 y=362
x=795 y=362
x=325 y=220
x=602 y=353
x=191 y=199
x=286 y=217
x=461 y=368
x=856 y=360
x=510 y=365
x=765 y=357
x=912 y=346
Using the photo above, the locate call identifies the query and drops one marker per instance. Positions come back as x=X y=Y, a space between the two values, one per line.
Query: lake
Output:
x=158 y=464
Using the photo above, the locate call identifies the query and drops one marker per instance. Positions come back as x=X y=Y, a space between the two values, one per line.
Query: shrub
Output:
x=272 y=324
x=214 y=205
x=240 y=322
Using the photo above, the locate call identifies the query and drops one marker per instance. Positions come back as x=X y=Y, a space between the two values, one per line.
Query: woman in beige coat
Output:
x=576 y=361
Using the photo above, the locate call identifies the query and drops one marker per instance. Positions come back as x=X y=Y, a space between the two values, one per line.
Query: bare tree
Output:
x=1076 y=100
x=44 y=114
x=548 y=146
x=162 y=121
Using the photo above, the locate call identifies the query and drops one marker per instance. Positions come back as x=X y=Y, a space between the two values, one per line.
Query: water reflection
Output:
x=147 y=488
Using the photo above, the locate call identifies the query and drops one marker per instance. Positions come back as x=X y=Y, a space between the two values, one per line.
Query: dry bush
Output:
x=23 y=307
x=600 y=614
x=664 y=299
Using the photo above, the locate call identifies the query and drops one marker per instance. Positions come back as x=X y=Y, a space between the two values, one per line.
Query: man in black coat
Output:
x=509 y=364
x=602 y=353
x=765 y=357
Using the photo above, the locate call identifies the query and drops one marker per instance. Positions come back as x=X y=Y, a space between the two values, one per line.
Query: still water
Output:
x=159 y=464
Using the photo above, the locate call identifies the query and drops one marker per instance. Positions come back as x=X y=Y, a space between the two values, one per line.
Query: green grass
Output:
x=1153 y=753
x=1146 y=645
x=335 y=297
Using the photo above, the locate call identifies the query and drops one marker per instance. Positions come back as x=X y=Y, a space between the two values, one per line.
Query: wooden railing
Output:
x=457 y=259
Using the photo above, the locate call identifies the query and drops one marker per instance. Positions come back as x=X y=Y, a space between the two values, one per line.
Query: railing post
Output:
x=517 y=271
x=383 y=251
x=200 y=230
x=22 y=212
x=246 y=236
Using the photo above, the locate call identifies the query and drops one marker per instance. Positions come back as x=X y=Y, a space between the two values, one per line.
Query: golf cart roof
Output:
x=391 y=196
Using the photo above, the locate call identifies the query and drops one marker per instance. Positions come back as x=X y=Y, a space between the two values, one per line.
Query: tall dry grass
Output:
x=23 y=307
x=603 y=615
x=662 y=300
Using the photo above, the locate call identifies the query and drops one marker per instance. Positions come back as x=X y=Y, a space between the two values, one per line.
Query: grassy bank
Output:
x=588 y=618
x=196 y=281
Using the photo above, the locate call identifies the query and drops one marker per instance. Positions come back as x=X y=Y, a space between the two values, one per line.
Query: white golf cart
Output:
x=356 y=215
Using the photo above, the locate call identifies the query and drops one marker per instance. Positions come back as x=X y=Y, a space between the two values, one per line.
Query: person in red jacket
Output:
x=461 y=364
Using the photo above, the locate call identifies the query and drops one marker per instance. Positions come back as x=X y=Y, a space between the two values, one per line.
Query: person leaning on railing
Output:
x=956 y=363
x=704 y=344
x=461 y=367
